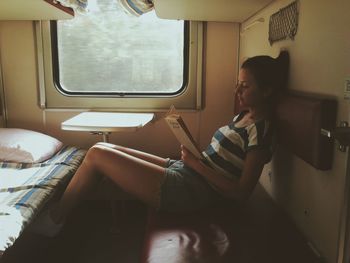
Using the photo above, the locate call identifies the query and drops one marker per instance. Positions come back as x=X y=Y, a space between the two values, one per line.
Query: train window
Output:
x=119 y=53
x=109 y=59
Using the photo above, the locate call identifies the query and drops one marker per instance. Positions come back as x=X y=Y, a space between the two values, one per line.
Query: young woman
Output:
x=233 y=161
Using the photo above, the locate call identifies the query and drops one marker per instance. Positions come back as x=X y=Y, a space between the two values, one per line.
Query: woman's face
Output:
x=249 y=95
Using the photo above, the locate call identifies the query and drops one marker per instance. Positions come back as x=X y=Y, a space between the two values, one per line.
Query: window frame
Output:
x=56 y=77
x=51 y=97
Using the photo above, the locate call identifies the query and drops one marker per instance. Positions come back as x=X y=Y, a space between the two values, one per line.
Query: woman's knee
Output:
x=105 y=145
x=95 y=153
x=103 y=151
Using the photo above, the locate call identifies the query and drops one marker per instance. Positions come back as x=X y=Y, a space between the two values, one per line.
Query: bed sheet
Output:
x=26 y=188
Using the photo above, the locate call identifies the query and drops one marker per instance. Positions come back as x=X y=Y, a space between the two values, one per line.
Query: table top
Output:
x=107 y=121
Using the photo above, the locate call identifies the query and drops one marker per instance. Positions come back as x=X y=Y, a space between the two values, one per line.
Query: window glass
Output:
x=109 y=51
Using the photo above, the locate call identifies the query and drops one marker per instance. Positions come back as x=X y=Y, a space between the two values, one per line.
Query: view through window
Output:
x=110 y=51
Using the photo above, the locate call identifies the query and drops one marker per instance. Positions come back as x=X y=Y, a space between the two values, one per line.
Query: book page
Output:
x=179 y=128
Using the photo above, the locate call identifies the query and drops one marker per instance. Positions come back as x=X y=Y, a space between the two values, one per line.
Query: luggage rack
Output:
x=284 y=23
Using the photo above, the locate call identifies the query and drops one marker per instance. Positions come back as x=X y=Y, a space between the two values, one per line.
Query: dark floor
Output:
x=88 y=237
x=258 y=230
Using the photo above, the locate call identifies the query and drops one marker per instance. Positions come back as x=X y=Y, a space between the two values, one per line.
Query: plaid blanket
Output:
x=26 y=188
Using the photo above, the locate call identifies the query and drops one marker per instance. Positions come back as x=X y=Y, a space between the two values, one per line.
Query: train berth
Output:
x=34 y=168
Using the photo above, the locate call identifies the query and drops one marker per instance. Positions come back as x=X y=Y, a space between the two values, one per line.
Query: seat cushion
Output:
x=300 y=118
x=256 y=231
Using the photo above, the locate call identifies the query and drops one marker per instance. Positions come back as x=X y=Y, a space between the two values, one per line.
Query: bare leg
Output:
x=139 y=154
x=133 y=174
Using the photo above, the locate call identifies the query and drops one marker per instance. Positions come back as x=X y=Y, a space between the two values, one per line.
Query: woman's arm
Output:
x=236 y=189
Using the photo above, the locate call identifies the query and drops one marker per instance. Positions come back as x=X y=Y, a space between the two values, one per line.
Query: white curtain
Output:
x=79 y=6
x=136 y=7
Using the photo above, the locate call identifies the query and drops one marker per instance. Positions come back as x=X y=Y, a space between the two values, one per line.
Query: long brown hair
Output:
x=270 y=74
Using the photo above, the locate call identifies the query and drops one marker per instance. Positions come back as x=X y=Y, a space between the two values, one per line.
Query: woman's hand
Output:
x=188 y=158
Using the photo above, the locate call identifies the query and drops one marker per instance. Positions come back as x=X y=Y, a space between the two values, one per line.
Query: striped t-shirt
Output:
x=230 y=144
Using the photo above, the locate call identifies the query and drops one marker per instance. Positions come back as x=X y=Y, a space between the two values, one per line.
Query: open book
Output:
x=181 y=132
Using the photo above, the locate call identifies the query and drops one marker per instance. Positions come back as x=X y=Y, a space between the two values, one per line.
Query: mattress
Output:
x=26 y=188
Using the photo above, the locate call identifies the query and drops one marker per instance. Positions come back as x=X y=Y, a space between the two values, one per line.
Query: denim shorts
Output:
x=184 y=190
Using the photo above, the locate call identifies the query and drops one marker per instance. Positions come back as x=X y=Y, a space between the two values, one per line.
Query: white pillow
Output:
x=25 y=146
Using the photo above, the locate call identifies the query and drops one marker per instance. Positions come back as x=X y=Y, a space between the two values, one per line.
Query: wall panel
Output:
x=319 y=64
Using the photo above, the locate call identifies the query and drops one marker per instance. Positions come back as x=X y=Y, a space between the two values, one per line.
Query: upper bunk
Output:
x=34 y=10
x=198 y=10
